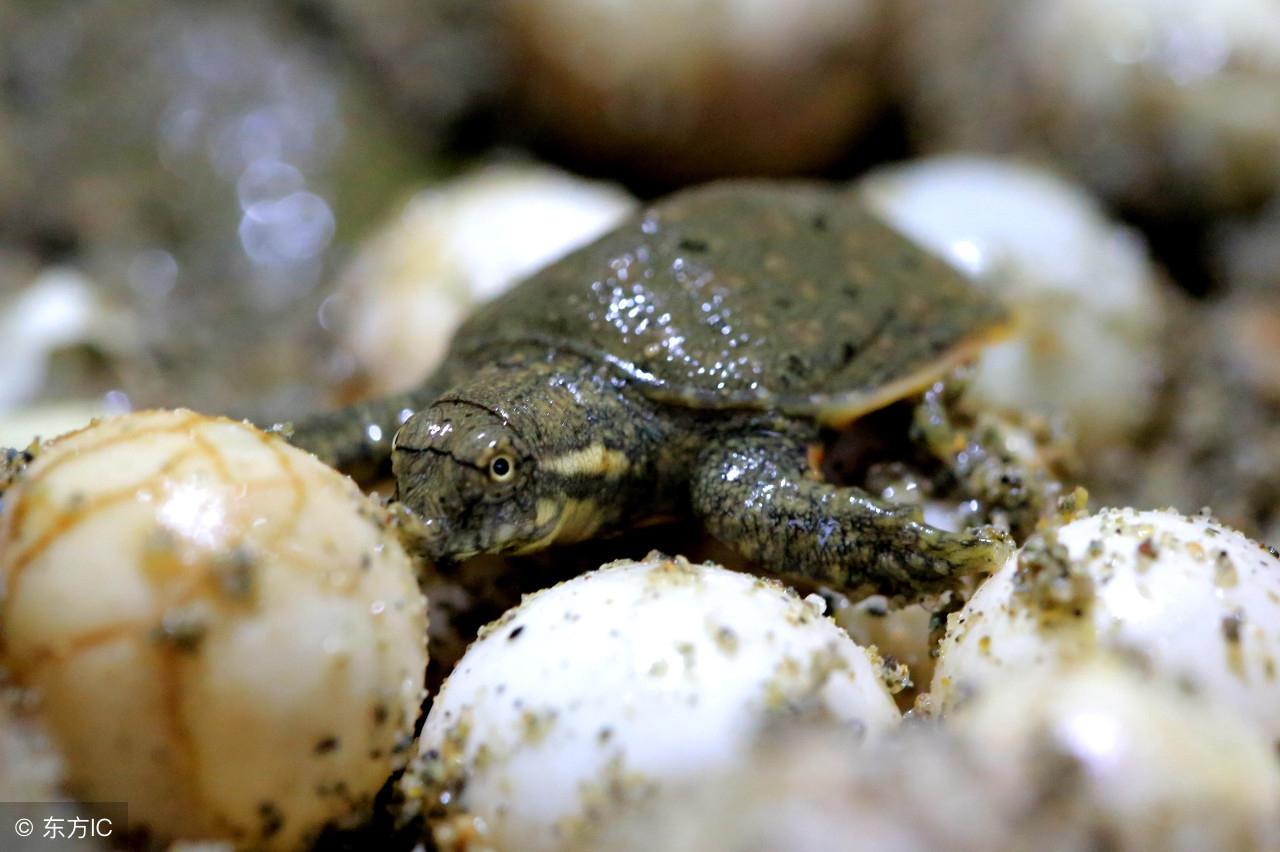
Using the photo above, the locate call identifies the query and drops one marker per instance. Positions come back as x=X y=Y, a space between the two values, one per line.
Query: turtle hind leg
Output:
x=754 y=492
x=1016 y=466
x=357 y=439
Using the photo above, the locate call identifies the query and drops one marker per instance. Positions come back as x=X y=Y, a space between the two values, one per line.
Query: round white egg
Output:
x=221 y=630
x=1082 y=287
x=611 y=685
x=452 y=246
x=1056 y=761
x=1195 y=601
x=798 y=791
x=59 y=307
x=1129 y=757
x=687 y=90
x=1167 y=105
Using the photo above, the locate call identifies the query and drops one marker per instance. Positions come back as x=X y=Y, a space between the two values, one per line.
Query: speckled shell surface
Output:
x=750 y=295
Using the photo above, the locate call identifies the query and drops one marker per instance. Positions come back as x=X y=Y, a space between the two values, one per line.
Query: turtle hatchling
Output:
x=682 y=366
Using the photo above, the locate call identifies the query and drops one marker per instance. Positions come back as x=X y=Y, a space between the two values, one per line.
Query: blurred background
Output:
x=266 y=209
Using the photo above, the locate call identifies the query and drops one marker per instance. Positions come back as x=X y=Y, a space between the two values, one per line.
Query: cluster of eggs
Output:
x=1155 y=104
x=252 y=637
x=1115 y=678
x=684 y=91
x=1162 y=105
x=257 y=634
x=639 y=706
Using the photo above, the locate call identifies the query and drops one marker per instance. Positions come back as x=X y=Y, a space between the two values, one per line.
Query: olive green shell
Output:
x=749 y=295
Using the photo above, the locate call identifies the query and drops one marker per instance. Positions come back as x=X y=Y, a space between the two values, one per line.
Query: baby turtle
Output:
x=683 y=365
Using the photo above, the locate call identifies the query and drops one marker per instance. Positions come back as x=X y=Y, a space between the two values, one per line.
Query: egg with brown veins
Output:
x=1192 y=600
x=613 y=684
x=221 y=630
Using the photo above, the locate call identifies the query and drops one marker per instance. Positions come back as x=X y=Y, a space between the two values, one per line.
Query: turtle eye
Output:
x=502 y=468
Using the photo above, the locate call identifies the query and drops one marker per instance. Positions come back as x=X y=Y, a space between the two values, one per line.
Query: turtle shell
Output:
x=751 y=295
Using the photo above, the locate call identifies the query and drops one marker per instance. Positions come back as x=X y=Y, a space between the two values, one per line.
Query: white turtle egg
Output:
x=1082 y=287
x=804 y=789
x=1056 y=761
x=1196 y=601
x=612 y=685
x=1166 y=105
x=685 y=89
x=219 y=629
x=1129 y=757
x=59 y=307
x=451 y=246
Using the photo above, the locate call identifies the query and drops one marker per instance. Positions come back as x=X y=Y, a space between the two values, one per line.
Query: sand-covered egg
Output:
x=454 y=245
x=1099 y=757
x=220 y=630
x=1191 y=599
x=1129 y=756
x=1162 y=104
x=610 y=685
x=1082 y=287
x=687 y=90
x=804 y=788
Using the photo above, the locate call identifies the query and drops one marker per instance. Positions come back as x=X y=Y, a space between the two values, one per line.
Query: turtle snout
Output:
x=424 y=535
x=432 y=538
x=419 y=498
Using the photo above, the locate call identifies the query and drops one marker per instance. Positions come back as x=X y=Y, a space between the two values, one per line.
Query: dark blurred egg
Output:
x=680 y=90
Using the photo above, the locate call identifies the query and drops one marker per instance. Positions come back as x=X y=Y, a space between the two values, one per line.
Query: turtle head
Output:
x=471 y=479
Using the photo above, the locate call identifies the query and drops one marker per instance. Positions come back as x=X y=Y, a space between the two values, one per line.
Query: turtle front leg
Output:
x=755 y=493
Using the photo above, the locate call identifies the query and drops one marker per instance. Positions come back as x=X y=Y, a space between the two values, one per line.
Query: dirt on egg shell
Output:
x=1185 y=598
x=443 y=777
x=192 y=593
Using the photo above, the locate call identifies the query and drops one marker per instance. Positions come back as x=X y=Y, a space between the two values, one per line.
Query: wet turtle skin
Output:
x=682 y=365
